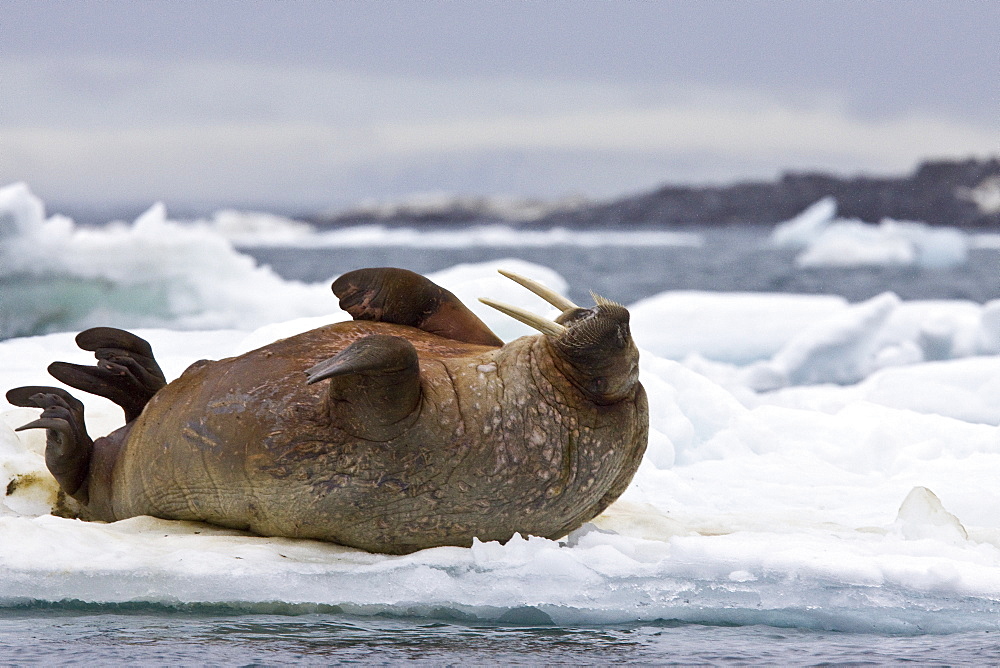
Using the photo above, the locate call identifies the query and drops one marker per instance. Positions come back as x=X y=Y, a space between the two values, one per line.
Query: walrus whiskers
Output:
x=527 y=317
x=546 y=293
x=604 y=301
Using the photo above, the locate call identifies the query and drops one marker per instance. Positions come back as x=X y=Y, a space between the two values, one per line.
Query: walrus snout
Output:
x=595 y=344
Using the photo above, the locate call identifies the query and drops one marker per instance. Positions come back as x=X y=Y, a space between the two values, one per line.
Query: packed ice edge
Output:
x=834 y=468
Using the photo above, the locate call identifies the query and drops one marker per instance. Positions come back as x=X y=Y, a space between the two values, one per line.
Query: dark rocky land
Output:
x=958 y=193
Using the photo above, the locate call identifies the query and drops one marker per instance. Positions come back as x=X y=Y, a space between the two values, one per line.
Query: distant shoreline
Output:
x=956 y=193
x=963 y=194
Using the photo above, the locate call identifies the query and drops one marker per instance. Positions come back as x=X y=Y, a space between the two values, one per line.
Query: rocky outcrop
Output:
x=957 y=193
x=962 y=194
x=435 y=210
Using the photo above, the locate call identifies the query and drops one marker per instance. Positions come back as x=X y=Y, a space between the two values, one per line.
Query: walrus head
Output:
x=592 y=347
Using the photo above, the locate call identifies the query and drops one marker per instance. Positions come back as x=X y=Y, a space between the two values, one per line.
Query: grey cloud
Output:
x=323 y=102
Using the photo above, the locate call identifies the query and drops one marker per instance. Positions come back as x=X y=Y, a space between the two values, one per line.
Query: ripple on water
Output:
x=60 y=636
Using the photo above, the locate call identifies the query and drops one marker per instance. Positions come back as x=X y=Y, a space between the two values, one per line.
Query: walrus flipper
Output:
x=374 y=386
x=126 y=372
x=403 y=297
x=67 y=445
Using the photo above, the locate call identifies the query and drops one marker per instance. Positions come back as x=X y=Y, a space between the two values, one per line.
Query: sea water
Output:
x=83 y=636
x=735 y=259
x=779 y=518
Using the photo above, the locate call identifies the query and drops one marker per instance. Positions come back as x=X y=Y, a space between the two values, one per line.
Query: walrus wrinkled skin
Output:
x=410 y=427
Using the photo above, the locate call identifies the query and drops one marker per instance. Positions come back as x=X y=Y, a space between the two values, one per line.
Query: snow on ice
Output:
x=828 y=465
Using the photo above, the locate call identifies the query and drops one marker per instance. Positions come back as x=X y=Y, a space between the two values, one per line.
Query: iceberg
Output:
x=823 y=240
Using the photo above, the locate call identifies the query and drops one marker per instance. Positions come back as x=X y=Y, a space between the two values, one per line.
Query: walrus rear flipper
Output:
x=126 y=372
x=374 y=386
x=67 y=445
x=403 y=297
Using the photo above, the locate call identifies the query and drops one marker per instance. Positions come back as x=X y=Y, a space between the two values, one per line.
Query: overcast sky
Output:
x=306 y=105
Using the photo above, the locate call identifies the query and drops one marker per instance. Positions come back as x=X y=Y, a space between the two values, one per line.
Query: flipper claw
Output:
x=68 y=447
x=126 y=372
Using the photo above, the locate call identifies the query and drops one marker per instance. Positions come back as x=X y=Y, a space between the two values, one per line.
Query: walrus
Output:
x=412 y=426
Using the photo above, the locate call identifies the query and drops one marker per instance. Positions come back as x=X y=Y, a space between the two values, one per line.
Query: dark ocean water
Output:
x=64 y=636
x=729 y=260
x=732 y=259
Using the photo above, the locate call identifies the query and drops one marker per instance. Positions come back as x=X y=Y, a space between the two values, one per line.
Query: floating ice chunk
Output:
x=20 y=211
x=882 y=332
x=804 y=228
x=939 y=248
x=151 y=273
x=852 y=243
x=922 y=516
x=827 y=241
x=697 y=328
x=742 y=515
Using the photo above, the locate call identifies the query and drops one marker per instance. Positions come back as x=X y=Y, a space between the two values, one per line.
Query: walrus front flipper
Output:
x=374 y=386
x=67 y=445
x=126 y=372
x=403 y=297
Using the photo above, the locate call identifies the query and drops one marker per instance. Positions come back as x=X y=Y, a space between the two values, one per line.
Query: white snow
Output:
x=804 y=228
x=811 y=463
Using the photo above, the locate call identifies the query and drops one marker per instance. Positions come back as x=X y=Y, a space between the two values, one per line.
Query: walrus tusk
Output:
x=546 y=293
x=527 y=317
